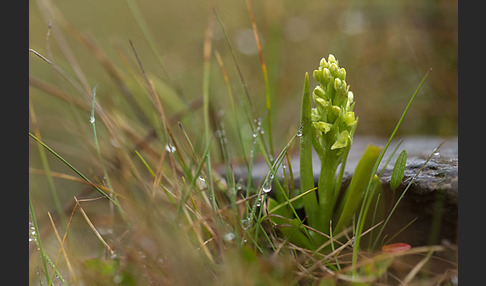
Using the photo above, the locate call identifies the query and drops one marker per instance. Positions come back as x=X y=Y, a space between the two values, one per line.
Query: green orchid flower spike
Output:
x=333 y=118
x=333 y=124
x=328 y=129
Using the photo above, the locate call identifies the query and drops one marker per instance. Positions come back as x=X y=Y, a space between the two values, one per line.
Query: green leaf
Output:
x=354 y=193
x=292 y=229
x=306 y=173
x=398 y=170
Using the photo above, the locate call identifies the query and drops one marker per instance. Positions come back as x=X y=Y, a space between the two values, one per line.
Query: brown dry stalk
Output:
x=61 y=245
x=93 y=228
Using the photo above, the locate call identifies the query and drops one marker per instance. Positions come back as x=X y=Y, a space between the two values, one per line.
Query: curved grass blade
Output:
x=406 y=189
x=268 y=105
x=73 y=168
x=44 y=256
x=366 y=202
x=389 y=158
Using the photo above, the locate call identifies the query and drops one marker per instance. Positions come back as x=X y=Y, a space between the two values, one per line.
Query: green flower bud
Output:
x=337 y=84
x=344 y=90
x=336 y=111
x=349 y=119
x=350 y=96
x=342 y=73
x=323 y=63
x=326 y=75
x=342 y=140
x=322 y=102
x=334 y=69
x=322 y=126
x=332 y=59
x=319 y=75
x=319 y=93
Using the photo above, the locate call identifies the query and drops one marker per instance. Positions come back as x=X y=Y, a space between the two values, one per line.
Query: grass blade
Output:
x=38 y=240
x=207 y=129
x=306 y=172
x=46 y=167
x=354 y=193
x=268 y=104
x=366 y=202
x=72 y=168
x=406 y=189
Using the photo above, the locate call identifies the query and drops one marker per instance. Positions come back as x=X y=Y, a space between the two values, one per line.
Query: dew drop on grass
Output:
x=271 y=158
x=201 y=182
x=267 y=186
x=229 y=237
x=299 y=133
x=114 y=255
x=92 y=119
x=170 y=148
x=246 y=223
x=259 y=202
x=32 y=234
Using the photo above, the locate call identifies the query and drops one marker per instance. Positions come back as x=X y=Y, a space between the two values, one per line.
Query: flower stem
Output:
x=326 y=182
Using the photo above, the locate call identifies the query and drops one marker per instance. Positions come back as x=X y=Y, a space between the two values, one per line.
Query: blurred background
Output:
x=386 y=48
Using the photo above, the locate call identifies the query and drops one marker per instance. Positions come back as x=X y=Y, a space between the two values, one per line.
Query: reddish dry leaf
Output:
x=395 y=247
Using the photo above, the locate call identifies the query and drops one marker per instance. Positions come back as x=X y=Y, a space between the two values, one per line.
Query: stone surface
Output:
x=431 y=199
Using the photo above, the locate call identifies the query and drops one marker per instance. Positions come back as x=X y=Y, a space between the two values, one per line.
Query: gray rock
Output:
x=431 y=199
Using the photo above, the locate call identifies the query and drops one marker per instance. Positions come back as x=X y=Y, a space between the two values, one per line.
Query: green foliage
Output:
x=398 y=170
x=353 y=194
x=328 y=128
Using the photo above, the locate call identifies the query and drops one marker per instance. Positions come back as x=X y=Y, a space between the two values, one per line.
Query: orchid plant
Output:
x=328 y=129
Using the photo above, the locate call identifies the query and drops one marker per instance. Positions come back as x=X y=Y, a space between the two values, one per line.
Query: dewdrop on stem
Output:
x=267 y=186
x=170 y=148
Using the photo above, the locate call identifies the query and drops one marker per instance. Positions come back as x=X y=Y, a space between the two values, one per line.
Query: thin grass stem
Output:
x=46 y=167
x=38 y=240
x=406 y=188
x=366 y=202
x=72 y=168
